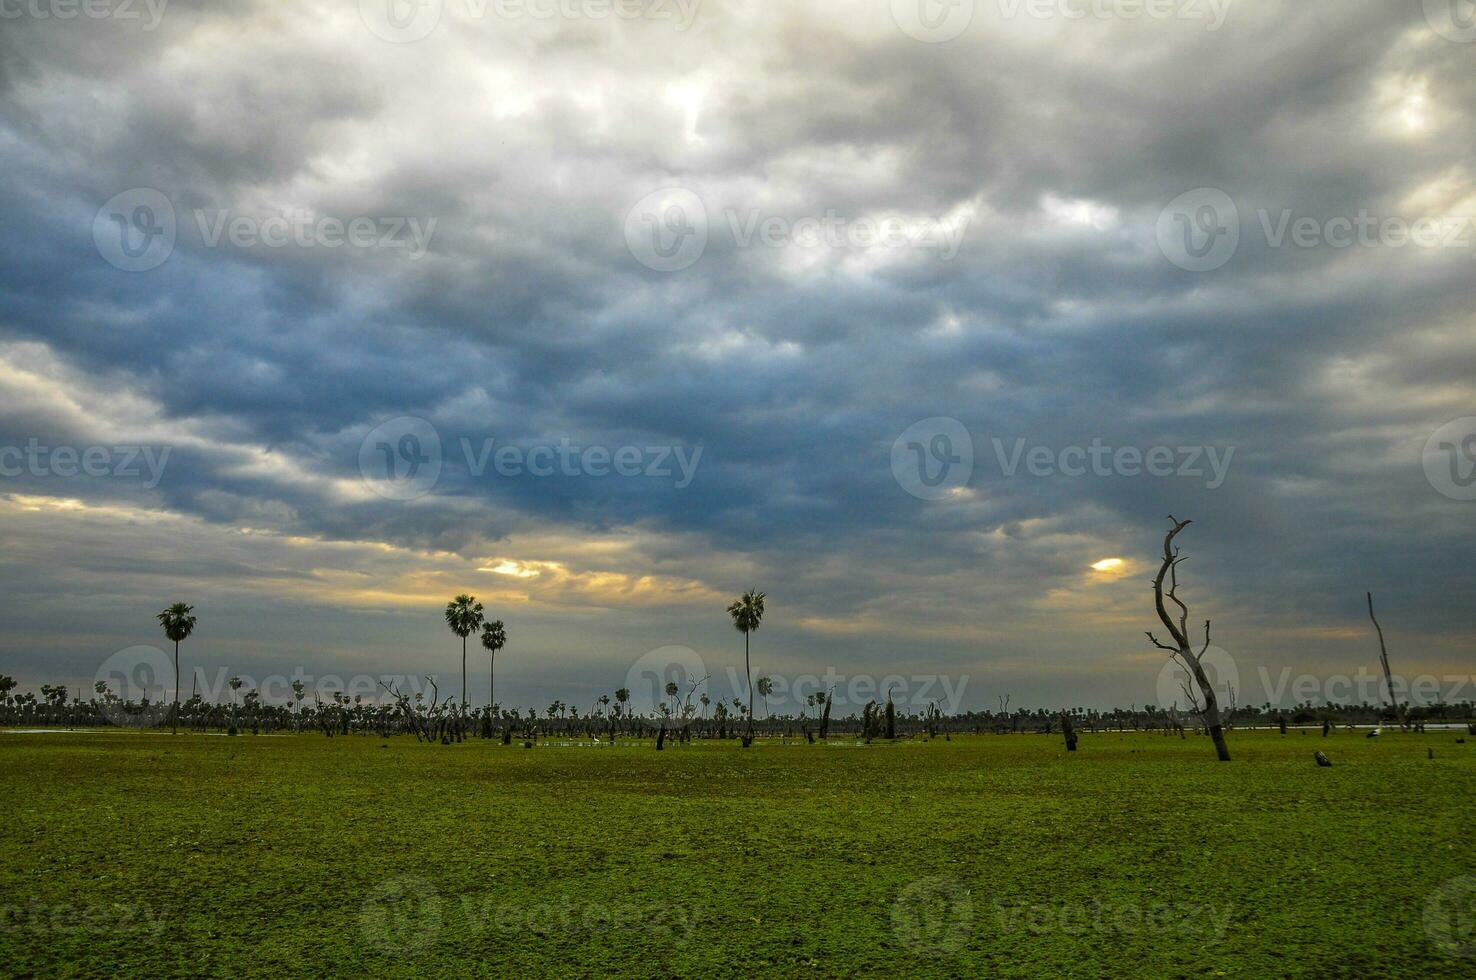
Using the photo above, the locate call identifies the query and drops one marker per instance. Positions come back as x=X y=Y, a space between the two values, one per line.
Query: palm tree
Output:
x=494 y=638
x=747 y=613
x=235 y=685
x=463 y=615
x=178 y=625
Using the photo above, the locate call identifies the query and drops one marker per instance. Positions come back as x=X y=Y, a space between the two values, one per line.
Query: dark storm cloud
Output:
x=1051 y=146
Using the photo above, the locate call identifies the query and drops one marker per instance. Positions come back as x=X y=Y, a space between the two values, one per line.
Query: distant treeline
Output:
x=437 y=720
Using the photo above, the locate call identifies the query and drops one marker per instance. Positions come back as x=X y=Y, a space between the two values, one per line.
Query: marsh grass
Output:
x=137 y=854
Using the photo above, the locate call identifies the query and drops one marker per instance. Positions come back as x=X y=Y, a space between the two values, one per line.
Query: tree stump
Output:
x=1068 y=731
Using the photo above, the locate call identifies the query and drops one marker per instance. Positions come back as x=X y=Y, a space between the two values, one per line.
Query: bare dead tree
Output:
x=1384 y=660
x=1190 y=697
x=434 y=717
x=409 y=716
x=687 y=711
x=1177 y=623
x=324 y=721
x=1175 y=721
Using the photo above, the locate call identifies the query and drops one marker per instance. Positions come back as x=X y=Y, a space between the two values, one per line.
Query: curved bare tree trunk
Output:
x=1384 y=660
x=1209 y=709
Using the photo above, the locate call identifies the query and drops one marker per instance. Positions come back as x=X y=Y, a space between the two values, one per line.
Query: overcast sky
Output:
x=906 y=313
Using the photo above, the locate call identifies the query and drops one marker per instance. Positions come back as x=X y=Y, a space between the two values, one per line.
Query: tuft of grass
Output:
x=133 y=854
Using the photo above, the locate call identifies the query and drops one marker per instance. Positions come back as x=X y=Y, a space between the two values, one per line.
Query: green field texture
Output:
x=142 y=854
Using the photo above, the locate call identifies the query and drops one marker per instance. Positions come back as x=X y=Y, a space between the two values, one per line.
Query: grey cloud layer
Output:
x=1059 y=321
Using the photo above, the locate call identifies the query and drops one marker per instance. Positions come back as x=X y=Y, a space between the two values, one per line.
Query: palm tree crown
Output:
x=463 y=615
x=494 y=635
x=747 y=611
x=177 y=622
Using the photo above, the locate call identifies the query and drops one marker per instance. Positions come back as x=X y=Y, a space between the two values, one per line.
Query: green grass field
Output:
x=141 y=854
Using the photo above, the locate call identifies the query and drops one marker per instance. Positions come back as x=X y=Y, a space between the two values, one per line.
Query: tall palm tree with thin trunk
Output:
x=463 y=616
x=494 y=638
x=178 y=625
x=747 y=613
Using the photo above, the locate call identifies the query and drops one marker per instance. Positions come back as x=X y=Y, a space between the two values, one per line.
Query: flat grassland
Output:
x=144 y=854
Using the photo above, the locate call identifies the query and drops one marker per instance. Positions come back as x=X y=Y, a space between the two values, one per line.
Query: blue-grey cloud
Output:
x=1027 y=164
